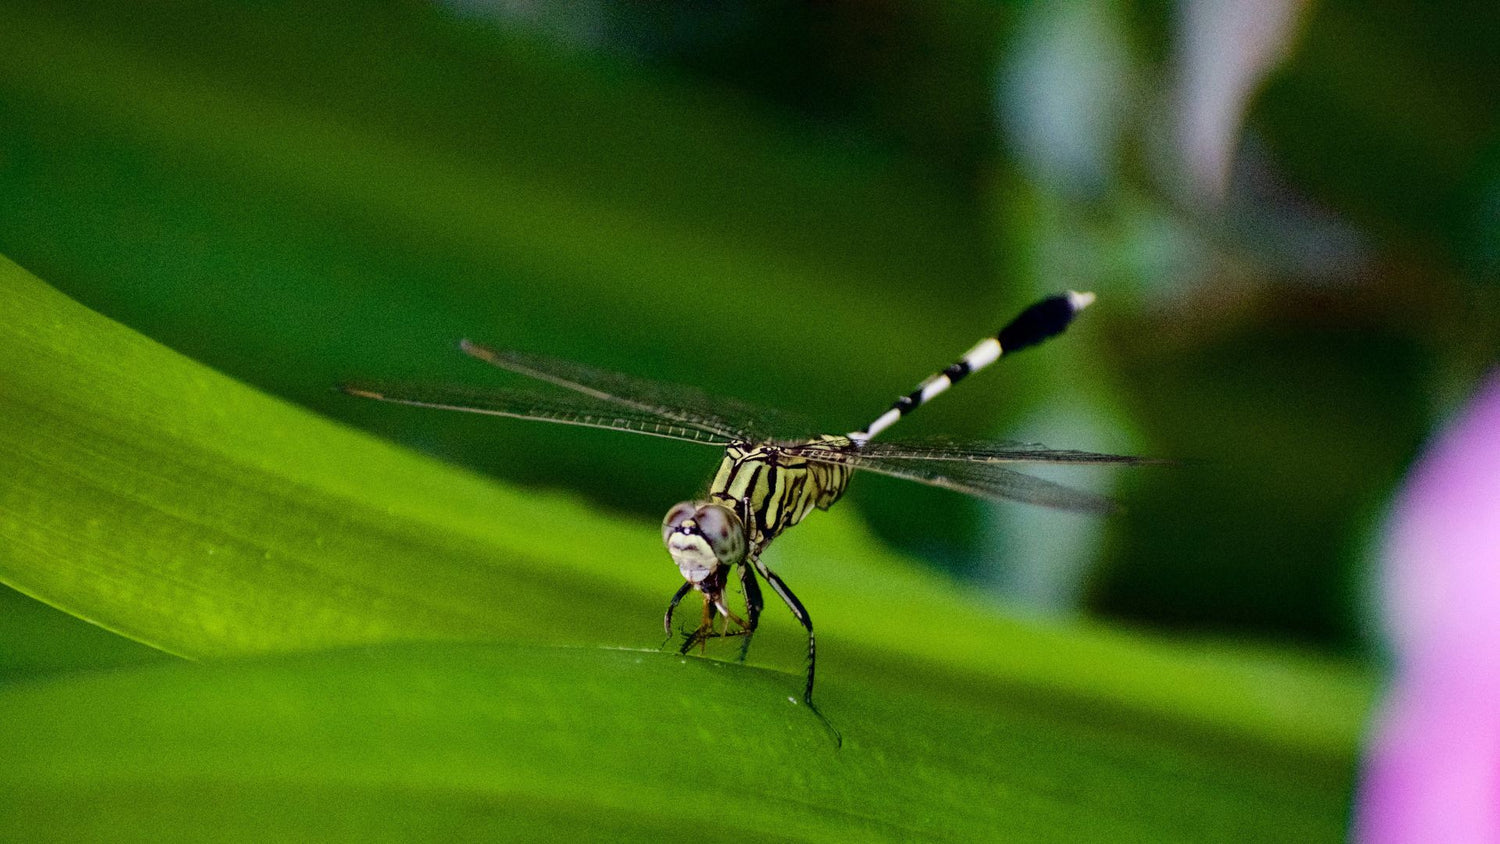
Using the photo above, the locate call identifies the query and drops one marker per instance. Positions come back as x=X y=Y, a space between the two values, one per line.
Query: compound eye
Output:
x=675 y=517
x=720 y=527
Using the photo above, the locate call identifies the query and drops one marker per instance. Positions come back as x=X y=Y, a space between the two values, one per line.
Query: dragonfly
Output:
x=768 y=481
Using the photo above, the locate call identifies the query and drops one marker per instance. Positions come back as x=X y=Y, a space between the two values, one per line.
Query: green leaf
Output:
x=173 y=505
x=36 y=639
x=478 y=742
x=159 y=499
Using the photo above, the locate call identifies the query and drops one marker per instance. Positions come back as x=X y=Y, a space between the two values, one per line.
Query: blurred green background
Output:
x=1288 y=210
x=812 y=206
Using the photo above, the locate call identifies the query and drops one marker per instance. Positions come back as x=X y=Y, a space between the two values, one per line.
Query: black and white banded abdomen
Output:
x=1045 y=319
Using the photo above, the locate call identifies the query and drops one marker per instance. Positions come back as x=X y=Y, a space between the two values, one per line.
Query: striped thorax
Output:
x=780 y=487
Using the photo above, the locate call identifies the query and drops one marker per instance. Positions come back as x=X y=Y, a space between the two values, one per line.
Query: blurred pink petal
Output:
x=1432 y=772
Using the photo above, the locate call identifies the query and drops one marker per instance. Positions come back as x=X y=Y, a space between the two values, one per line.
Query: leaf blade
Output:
x=501 y=730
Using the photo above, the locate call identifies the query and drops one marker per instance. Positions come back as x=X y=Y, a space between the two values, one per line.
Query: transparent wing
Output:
x=993 y=482
x=974 y=468
x=996 y=451
x=728 y=418
x=983 y=480
x=564 y=408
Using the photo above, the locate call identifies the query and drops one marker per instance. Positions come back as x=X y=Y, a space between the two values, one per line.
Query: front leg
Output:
x=705 y=631
x=703 y=634
x=712 y=607
x=666 y=621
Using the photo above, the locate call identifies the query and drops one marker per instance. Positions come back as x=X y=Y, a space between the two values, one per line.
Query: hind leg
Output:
x=802 y=616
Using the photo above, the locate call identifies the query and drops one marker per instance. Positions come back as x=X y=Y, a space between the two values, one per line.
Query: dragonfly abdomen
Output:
x=1045 y=319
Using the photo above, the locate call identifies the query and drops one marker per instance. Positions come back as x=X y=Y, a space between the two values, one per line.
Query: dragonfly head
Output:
x=701 y=537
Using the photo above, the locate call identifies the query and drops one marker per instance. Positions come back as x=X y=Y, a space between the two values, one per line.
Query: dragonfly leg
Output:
x=730 y=618
x=705 y=630
x=702 y=635
x=753 y=605
x=801 y=614
x=666 y=621
x=754 y=602
x=733 y=625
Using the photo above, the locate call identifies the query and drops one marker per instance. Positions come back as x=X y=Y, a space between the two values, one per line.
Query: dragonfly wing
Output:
x=993 y=452
x=562 y=408
x=992 y=482
x=975 y=471
x=729 y=418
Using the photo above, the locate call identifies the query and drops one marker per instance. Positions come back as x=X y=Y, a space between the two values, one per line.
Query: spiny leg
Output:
x=705 y=630
x=812 y=643
x=729 y=618
x=753 y=604
x=754 y=601
x=666 y=621
x=711 y=608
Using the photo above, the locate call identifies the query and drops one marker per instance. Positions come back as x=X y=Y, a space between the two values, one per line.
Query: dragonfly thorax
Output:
x=779 y=484
x=702 y=538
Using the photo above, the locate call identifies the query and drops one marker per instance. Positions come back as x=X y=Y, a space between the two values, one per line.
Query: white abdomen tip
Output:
x=1079 y=301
